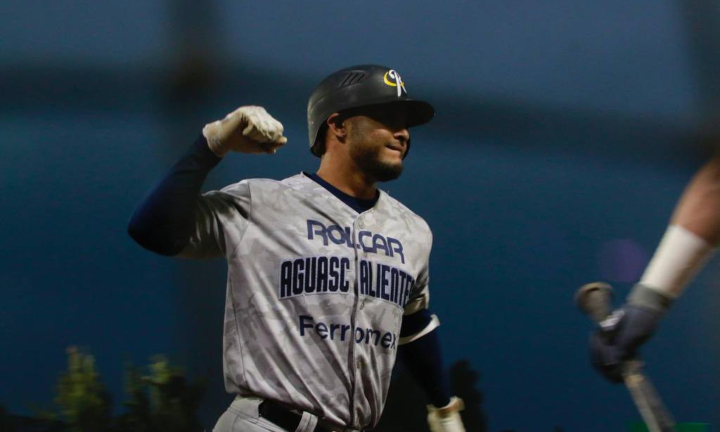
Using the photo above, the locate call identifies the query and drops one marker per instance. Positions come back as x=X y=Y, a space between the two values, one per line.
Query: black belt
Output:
x=283 y=417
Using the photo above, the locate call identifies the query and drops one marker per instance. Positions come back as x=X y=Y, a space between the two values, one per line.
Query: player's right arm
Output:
x=174 y=213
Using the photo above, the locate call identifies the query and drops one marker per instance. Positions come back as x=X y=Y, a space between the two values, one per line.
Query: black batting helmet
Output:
x=360 y=86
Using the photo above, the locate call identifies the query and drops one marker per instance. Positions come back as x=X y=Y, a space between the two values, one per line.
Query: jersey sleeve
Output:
x=417 y=319
x=420 y=296
x=221 y=220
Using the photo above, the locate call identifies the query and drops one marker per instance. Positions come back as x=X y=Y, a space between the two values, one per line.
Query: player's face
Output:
x=378 y=139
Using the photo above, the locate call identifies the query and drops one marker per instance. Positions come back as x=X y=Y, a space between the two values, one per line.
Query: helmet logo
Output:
x=393 y=79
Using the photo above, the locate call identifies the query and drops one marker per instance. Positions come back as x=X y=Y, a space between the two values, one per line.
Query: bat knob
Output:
x=595 y=300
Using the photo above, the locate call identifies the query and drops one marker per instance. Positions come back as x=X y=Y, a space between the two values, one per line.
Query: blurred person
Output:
x=328 y=276
x=689 y=241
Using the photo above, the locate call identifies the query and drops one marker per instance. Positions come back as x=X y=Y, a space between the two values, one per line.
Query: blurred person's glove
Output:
x=622 y=333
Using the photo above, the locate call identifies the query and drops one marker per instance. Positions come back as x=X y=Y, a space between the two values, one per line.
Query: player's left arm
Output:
x=421 y=353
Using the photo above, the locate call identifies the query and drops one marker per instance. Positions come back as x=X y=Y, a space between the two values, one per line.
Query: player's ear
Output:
x=337 y=126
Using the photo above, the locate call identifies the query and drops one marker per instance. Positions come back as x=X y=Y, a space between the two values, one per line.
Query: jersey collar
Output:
x=359 y=205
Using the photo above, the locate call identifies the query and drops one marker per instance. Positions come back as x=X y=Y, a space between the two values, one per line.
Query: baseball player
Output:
x=327 y=274
x=689 y=241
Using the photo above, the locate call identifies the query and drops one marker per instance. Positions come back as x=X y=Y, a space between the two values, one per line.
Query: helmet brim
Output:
x=418 y=112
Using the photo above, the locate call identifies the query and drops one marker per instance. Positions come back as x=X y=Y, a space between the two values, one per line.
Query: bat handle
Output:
x=657 y=418
x=595 y=300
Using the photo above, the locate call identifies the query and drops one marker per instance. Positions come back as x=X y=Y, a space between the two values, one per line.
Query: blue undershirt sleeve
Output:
x=423 y=359
x=163 y=222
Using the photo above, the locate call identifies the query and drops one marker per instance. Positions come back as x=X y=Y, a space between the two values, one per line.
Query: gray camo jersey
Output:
x=315 y=293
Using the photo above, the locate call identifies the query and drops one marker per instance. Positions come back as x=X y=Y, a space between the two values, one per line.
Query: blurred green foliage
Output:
x=85 y=404
x=158 y=398
x=161 y=400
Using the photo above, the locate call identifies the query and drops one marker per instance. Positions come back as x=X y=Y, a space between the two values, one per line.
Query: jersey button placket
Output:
x=361 y=225
x=355 y=409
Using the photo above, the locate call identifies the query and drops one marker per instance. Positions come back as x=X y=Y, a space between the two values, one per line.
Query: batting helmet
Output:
x=360 y=86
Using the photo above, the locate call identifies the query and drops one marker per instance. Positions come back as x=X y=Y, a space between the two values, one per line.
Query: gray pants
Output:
x=243 y=416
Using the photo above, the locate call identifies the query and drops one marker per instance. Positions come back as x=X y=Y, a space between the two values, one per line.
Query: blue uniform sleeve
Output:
x=165 y=219
x=423 y=359
x=417 y=325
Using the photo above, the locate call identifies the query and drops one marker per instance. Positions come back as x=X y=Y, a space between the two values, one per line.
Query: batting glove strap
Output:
x=648 y=298
x=447 y=418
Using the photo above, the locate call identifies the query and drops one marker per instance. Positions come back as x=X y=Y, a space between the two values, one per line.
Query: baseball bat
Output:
x=594 y=299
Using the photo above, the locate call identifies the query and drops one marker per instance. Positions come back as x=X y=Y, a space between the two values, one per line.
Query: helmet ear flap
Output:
x=318 y=147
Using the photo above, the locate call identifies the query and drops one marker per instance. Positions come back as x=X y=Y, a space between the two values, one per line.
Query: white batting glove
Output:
x=248 y=129
x=447 y=419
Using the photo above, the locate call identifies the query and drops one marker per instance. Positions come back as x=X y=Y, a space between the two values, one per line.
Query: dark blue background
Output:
x=562 y=140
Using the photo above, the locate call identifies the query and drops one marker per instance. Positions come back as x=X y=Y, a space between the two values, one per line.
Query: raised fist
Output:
x=248 y=129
